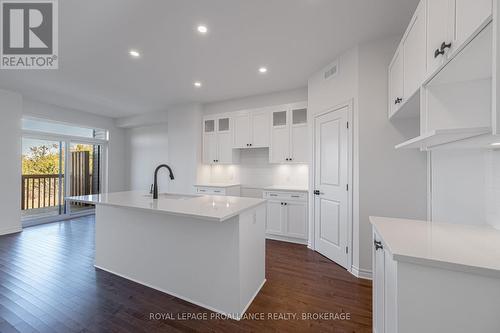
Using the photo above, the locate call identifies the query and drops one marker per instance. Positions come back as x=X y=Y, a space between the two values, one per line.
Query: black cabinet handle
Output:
x=378 y=245
x=445 y=46
x=438 y=52
x=317 y=192
x=398 y=100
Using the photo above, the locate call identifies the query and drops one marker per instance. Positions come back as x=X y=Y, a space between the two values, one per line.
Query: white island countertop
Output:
x=468 y=248
x=213 y=208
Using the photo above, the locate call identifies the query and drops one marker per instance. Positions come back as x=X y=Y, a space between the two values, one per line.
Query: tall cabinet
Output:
x=289 y=134
x=217 y=143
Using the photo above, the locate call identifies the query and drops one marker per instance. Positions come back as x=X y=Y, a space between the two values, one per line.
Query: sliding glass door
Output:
x=59 y=160
x=42 y=179
x=84 y=166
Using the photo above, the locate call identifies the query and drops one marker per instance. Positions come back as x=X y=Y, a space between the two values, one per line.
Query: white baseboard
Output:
x=11 y=230
x=287 y=239
x=361 y=273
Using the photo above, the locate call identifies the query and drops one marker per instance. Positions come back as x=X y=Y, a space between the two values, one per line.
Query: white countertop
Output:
x=461 y=247
x=213 y=208
x=289 y=188
x=223 y=185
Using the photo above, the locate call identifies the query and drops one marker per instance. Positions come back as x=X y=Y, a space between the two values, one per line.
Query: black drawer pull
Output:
x=378 y=245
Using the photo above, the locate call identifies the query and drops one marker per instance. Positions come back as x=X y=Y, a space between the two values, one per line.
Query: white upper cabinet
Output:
x=396 y=82
x=217 y=146
x=280 y=136
x=414 y=53
x=289 y=128
x=450 y=23
x=251 y=129
x=469 y=15
x=455 y=102
x=241 y=134
x=260 y=121
x=438 y=32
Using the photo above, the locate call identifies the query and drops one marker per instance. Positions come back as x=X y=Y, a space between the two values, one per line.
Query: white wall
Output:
x=184 y=146
x=258 y=101
x=117 y=172
x=11 y=105
x=391 y=182
x=381 y=181
x=147 y=147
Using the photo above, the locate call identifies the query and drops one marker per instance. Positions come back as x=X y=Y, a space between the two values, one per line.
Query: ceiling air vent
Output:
x=332 y=71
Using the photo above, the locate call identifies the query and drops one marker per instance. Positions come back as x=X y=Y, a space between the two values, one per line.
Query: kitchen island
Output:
x=207 y=250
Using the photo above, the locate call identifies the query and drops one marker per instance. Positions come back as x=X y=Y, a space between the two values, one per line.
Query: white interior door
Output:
x=331 y=204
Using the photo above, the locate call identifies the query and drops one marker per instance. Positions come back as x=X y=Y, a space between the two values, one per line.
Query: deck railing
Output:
x=39 y=191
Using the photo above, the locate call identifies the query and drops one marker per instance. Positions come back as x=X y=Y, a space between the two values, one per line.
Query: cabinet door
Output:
x=414 y=53
x=439 y=30
x=241 y=131
x=225 y=148
x=378 y=289
x=296 y=223
x=396 y=82
x=469 y=15
x=298 y=132
x=275 y=217
x=209 y=148
x=280 y=137
x=260 y=129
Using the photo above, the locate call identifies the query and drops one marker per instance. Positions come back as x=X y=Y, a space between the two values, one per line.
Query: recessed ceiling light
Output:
x=496 y=144
x=263 y=70
x=197 y=84
x=202 y=29
x=134 y=53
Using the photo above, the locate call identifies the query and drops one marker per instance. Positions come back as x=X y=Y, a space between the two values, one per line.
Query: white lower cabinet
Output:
x=233 y=191
x=384 y=288
x=287 y=216
x=412 y=294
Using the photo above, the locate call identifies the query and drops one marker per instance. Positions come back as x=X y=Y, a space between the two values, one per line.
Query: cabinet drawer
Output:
x=289 y=196
x=211 y=190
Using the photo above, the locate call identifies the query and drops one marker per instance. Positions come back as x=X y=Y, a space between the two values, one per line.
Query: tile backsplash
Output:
x=255 y=171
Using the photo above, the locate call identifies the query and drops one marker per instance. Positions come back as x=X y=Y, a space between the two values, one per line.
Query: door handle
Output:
x=378 y=245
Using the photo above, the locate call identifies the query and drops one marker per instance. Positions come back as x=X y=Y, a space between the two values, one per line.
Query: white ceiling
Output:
x=293 y=38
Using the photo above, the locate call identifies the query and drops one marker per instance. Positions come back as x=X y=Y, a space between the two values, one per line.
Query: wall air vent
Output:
x=332 y=71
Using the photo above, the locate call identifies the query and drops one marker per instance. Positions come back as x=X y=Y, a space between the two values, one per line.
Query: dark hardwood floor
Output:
x=48 y=284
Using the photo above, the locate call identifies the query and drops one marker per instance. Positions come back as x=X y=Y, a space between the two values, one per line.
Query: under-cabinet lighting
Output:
x=496 y=144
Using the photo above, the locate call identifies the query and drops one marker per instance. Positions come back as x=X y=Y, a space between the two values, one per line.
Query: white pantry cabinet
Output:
x=289 y=134
x=251 y=129
x=287 y=216
x=217 y=147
